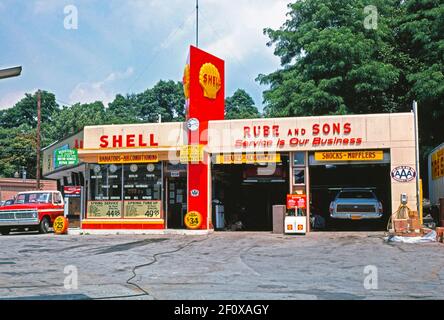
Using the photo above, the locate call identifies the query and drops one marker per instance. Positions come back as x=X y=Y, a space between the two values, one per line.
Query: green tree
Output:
x=333 y=64
x=165 y=98
x=24 y=112
x=421 y=36
x=18 y=148
x=124 y=109
x=240 y=106
x=18 y=133
x=71 y=119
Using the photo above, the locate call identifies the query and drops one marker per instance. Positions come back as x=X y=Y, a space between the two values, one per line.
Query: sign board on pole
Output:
x=191 y=153
x=72 y=191
x=66 y=157
x=296 y=201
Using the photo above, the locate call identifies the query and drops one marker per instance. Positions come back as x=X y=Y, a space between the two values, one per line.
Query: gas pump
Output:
x=296 y=216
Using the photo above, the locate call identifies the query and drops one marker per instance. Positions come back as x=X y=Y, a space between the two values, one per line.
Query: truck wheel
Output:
x=5 y=232
x=44 y=225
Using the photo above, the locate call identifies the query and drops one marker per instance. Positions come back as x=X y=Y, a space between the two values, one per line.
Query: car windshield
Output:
x=37 y=197
x=356 y=195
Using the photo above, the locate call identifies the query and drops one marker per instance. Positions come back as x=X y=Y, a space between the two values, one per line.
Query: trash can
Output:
x=278 y=218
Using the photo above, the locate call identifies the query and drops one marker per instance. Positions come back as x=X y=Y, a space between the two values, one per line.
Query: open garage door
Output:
x=244 y=194
x=363 y=175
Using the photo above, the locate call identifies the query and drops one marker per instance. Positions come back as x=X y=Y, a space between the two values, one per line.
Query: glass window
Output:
x=299 y=159
x=356 y=195
x=298 y=176
x=37 y=197
x=57 y=198
x=106 y=182
x=142 y=181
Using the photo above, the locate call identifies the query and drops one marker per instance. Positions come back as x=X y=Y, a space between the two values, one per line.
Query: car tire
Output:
x=5 y=232
x=44 y=225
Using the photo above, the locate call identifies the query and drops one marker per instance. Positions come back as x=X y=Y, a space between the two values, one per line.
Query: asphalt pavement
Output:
x=225 y=265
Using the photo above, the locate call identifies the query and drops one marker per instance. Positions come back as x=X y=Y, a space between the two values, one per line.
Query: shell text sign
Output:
x=210 y=80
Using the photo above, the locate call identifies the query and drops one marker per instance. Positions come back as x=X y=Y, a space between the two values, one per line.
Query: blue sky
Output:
x=126 y=46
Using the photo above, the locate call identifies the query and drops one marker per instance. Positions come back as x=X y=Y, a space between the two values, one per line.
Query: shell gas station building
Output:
x=209 y=173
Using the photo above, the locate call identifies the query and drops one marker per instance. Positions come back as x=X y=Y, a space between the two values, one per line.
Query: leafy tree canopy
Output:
x=240 y=106
x=333 y=63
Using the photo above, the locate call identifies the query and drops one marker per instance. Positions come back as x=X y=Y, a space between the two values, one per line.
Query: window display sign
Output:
x=143 y=209
x=249 y=158
x=104 y=209
x=127 y=158
x=350 y=156
x=295 y=201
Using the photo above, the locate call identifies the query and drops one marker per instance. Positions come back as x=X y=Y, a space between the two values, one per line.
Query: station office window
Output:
x=132 y=191
x=106 y=182
x=298 y=168
x=299 y=159
x=142 y=181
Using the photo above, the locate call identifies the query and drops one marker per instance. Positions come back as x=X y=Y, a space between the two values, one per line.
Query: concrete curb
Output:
x=78 y=232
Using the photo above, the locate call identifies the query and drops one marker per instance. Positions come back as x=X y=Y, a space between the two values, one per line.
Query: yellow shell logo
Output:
x=186 y=81
x=210 y=81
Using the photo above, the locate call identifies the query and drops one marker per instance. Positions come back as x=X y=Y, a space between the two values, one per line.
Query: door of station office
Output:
x=175 y=196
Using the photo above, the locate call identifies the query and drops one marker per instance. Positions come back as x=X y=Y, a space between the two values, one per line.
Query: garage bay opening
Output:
x=245 y=188
x=350 y=190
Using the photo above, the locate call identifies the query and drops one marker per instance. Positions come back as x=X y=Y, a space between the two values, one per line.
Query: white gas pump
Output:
x=295 y=224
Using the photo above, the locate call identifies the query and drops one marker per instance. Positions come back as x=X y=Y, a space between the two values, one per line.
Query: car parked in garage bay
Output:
x=356 y=204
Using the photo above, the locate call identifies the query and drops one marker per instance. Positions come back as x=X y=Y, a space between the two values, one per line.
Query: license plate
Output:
x=356 y=217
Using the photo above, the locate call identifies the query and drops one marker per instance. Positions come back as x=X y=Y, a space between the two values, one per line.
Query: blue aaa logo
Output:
x=403 y=174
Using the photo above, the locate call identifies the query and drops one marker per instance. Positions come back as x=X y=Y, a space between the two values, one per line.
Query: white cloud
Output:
x=47 y=6
x=87 y=92
x=9 y=99
x=238 y=33
x=229 y=29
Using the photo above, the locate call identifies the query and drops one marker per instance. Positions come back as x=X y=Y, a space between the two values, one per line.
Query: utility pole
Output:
x=38 y=138
x=197 y=23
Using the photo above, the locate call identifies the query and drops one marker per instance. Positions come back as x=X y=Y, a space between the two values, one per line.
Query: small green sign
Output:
x=66 y=157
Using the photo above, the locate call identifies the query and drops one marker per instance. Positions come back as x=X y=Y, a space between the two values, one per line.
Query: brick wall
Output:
x=9 y=187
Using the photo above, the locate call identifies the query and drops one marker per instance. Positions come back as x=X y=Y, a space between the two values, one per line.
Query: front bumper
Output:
x=19 y=218
x=356 y=216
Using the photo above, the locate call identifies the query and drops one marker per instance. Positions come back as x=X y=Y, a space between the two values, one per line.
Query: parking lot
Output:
x=219 y=266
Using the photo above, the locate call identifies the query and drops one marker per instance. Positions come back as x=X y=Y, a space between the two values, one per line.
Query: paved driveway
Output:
x=220 y=266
